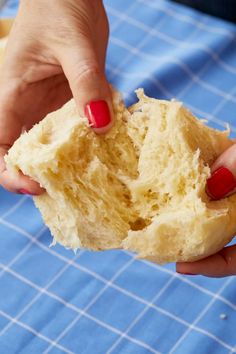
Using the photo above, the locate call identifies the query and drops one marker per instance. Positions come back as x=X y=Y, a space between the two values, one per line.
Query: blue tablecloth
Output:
x=53 y=301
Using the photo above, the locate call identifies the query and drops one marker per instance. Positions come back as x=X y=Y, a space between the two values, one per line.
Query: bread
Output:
x=140 y=187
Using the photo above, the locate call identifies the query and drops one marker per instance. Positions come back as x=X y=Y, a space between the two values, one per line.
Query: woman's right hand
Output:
x=56 y=50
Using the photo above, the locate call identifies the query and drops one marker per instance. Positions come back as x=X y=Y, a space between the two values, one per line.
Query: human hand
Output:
x=56 y=49
x=222 y=183
x=221 y=264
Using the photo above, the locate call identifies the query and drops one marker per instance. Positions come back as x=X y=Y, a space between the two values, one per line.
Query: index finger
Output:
x=16 y=183
x=221 y=264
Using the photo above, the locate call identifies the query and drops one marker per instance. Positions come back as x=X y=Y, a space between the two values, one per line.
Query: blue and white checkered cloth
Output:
x=52 y=301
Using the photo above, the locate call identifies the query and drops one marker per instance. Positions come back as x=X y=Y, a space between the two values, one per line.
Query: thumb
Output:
x=222 y=182
x=88 y=84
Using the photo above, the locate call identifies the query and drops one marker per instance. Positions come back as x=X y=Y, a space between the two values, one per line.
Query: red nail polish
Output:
x=186 y=273
x=24 y=191
x=98 y=114
x=220 y=183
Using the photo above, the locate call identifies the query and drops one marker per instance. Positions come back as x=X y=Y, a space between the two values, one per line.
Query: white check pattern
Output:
x=52 y=301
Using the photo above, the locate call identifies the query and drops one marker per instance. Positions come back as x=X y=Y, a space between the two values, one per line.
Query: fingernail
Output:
x=220 y=183
x=98 y=114
x=24 y=191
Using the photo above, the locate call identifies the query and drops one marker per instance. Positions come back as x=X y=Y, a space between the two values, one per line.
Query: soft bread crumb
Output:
x=140 y=187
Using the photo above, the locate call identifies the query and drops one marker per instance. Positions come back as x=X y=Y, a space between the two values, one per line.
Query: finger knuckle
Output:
x=86 y=71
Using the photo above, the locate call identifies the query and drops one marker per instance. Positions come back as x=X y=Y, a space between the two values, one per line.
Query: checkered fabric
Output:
x=53 y=301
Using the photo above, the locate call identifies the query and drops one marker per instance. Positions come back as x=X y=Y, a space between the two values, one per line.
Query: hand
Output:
x=56 y=49
x=221 y=184
x=219 y=265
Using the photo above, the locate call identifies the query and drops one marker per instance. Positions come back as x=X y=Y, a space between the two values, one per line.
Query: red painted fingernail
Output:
x=220 y=183
x=98 y=114
x=24 y=191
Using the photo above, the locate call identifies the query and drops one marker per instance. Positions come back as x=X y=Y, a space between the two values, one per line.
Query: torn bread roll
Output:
x=140 y=187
